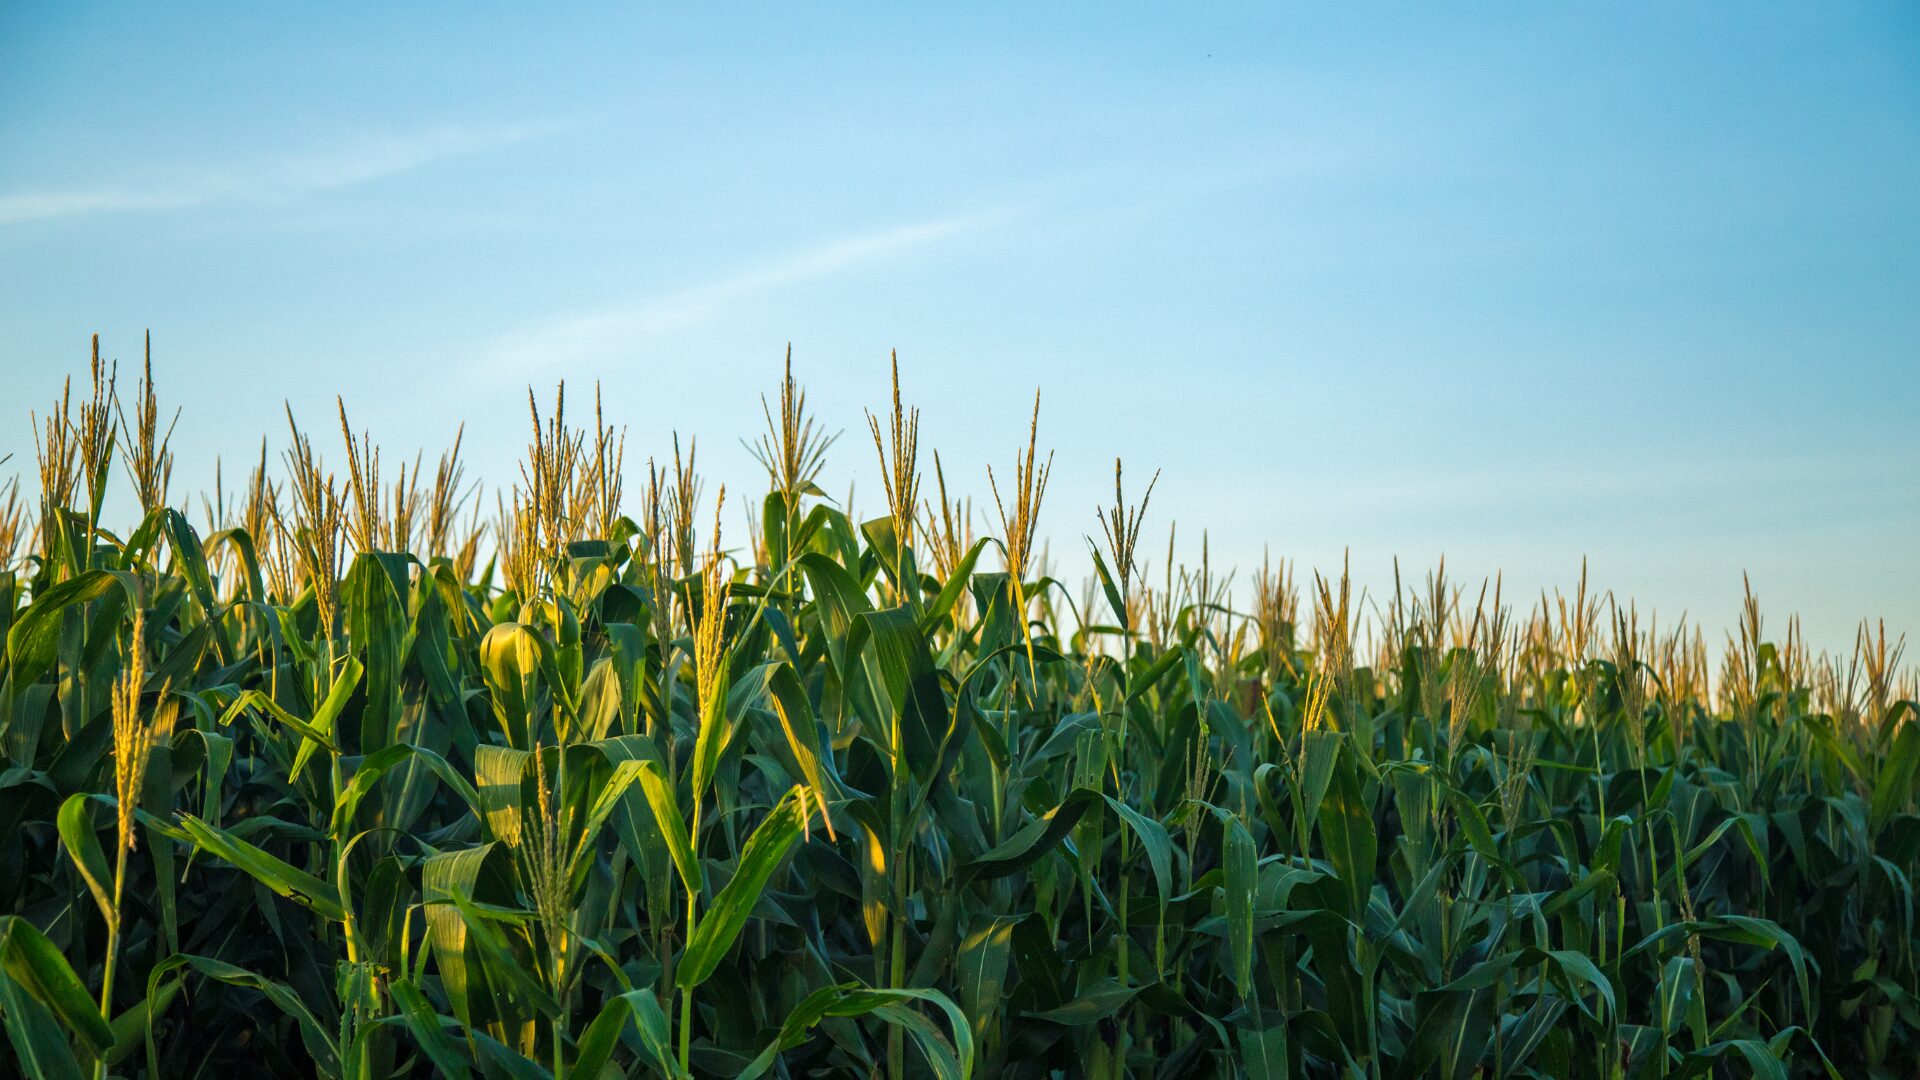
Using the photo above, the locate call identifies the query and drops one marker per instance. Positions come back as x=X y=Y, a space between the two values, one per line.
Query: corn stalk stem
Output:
x=693 y=911
x=897 y=951
x=113 y=944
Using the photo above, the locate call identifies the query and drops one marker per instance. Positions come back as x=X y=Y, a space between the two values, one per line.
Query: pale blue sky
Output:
x=1511 y=283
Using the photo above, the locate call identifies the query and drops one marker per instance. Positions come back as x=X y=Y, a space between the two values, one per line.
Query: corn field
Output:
x=345 y=777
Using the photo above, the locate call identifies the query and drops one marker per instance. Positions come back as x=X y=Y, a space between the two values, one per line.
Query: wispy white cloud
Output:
x=276 y=180
x=604 y=331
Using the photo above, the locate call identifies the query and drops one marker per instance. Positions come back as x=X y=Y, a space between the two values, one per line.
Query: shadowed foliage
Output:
x=594 y=796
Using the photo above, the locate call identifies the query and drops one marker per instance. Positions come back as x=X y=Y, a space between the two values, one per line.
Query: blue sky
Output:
x=1512 y=284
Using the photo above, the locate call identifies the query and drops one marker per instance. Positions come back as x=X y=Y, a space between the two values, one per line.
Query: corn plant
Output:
x=349 y=785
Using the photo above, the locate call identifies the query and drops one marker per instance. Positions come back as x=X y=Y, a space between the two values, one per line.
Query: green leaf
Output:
x=722 y=923
x=458 y=960
x=790 y=705
x=641 y=838
x=40 y=1047
x=219 y=751
x=950 y=1060
x=376 y=765
x=33 y=641
x=954 y=587
x=1347 y=832
x=429 y=1030
x=191 y=559
x=130 y=1028
x=513 y=659
x=294 y=884
x=981 y=969
x=1101 y=1001
x=1738 y=821
x=1893 y=787
x=598 y=1041
x=1586 y=886
x=35 y=965
x=839 y=599
x=497 y=775
x=605 y=801
x=1473 y=825
x=254 y=698
x=319 y=1045
x=1033 y=840
x=1762 y=1062
x=1263 y=1052
x=338 y=694
x=1112 y=591
x=83 y=847
x=319 y=731
x=1578 y=968
x=673 y=827
x=1677 y=984
x=1320 y=752
x=242 y=543
x=1452 y=1030
x=376 y=624
x=1242 y=878
x=1144 y=681
x=901 y=672
x=1741 y=929
x=1155 y=841
x=521 y=988
x=715 y=732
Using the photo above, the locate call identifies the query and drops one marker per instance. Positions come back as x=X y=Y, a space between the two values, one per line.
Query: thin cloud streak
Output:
x=280 y=180
x=599 y=332
x=1576 y=485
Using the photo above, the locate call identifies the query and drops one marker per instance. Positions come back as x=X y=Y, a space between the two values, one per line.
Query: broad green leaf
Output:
x=521 y=988
x=376 y=765
x=1893 y=787
x=35 y=965
x=954 y=587
x=1034 y=840
x=294 y=884
x=190 y=557
x=605 y=801
x=498 y=772
x=40 y=1047
x=1677 y=984
x=1579 y=970
x=1242 y=873
x=371 y=598
x=1101 y=1001
x=900 y=670
x=1347 y=831
x=722 y=923
x=319 y=1045
x=673 y=827
x=715 y=733
x=1596 y=882
x=83 y=847
x=981 y=967
x=790 y=705
x=1320 y=752
x=513 y=659
x=1114 y=601
x=33 y=641
x=1263 y=1052
x=949 y=1059
x=456 y=958
x=597 y=1043
x=429 y=1030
